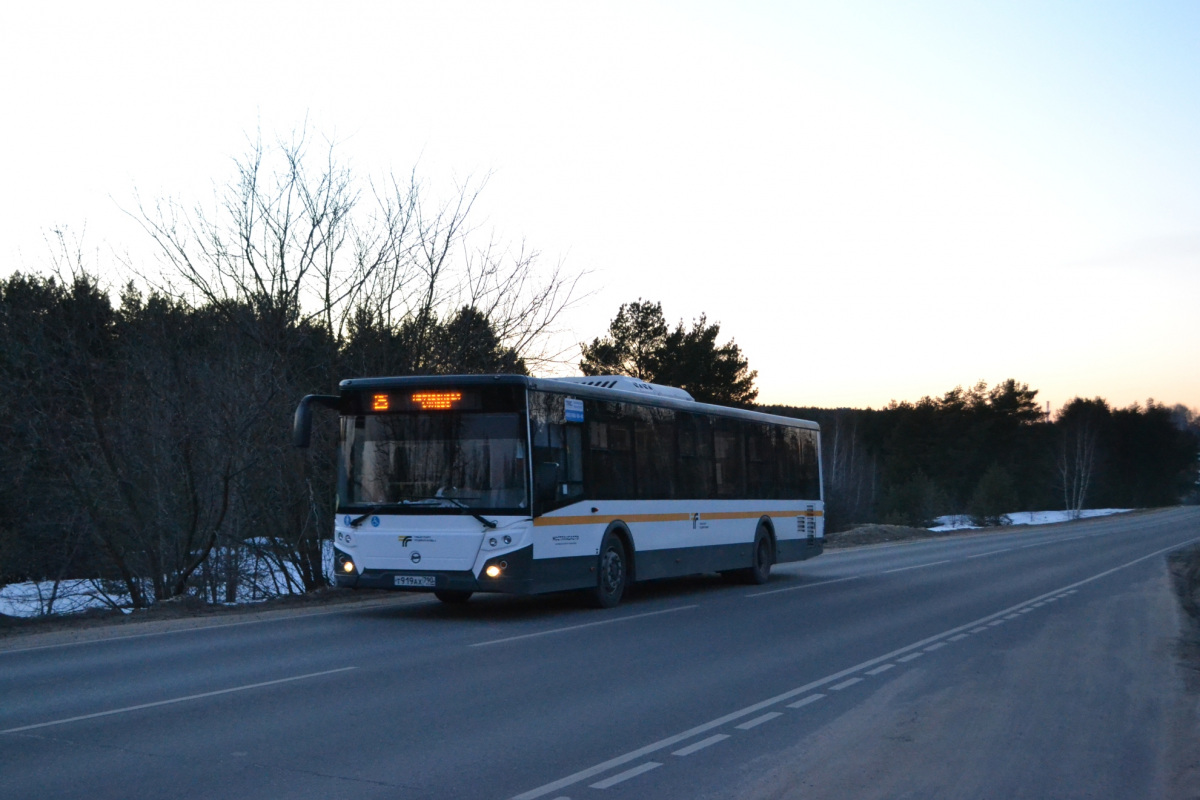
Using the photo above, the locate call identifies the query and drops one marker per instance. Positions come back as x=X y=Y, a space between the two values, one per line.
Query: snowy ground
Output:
x=264 y=579
x=961 y=522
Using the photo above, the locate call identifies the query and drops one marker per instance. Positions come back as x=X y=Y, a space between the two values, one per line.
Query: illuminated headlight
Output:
x=348 y=566
x=493 y=571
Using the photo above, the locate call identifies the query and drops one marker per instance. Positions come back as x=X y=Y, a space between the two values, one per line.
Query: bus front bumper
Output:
x=515 y=576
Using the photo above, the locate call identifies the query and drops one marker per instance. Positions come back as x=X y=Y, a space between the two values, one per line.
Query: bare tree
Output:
x=1079 y=431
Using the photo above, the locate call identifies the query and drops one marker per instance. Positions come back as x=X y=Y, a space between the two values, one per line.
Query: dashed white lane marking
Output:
x=662 y=744
x=626 y=775
x=935 y=646
x=992 y=552
x=878 y=670
x=909 y=657
x=960 y=637
x=584 y=625
x=1039 y=605
x=700 y=745
x=812 y=698
x=1012 y=616
x=980 y=629
x=173 y=700
x=844 y=684
x=805 y=586
x=994 y=623
x=1025 y=610
x=754 y=723
x=914 y=566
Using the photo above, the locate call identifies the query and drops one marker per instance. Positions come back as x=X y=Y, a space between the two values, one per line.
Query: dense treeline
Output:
x=987 y=451
x=144 y=437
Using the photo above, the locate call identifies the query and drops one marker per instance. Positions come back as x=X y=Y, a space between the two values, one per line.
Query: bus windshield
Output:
x=434 y=462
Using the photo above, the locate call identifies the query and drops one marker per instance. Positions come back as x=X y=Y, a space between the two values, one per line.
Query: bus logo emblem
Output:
x=404 y=540
x=416 y=557
x=695 y=520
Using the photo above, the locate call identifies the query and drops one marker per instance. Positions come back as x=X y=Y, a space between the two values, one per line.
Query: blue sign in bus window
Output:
x=573 y=409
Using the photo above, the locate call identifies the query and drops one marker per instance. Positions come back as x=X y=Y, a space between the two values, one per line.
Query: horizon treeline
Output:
x=984 y=452
x=146 y=441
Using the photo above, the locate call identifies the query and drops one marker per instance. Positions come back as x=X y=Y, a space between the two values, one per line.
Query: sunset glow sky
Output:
x=875 y=203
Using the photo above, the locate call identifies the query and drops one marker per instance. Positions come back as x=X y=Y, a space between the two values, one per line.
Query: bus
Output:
x=505 y=483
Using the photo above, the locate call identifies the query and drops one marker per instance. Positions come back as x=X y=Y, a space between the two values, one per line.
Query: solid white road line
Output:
x=626 y=775
x=662 y=744
x=279 y=615
x=812 y=698
x=958 y=638
x=909 y=657
x=176 y=700
x=584 y=625
x=700 y=745
x=935 y=646
x=754 y=723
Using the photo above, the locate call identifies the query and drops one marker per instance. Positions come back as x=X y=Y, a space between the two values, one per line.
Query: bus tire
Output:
x=761 y=558
x=612 y=573
x=452 y=596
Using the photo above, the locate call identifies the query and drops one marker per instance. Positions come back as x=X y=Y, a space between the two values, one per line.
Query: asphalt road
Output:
x=1037 y=663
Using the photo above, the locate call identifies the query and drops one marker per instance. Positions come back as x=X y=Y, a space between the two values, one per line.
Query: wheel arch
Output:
x=619 y=529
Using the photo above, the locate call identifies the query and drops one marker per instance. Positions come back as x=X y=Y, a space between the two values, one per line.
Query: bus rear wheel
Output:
x=454 y=597
x=763 y=556
x=612 y=573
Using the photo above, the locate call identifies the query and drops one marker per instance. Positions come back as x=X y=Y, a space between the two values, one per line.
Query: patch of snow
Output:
x=262 y=577
x=962 y=522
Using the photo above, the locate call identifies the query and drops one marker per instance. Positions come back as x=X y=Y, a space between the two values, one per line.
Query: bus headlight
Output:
x=493 y=571
x=348 y=566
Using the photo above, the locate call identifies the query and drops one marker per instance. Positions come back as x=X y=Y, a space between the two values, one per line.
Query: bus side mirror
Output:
x=302 y=422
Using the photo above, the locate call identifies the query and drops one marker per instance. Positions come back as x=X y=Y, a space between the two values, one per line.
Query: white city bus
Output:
x=503 y=483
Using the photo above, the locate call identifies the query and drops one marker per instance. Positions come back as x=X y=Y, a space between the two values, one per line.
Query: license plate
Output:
x=416 y=580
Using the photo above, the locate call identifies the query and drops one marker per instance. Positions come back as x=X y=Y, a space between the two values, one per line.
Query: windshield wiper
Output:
x=372 y=510
x=375 y=509
x=490 y=523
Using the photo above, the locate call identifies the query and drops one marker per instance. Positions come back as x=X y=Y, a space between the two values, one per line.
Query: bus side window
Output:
x=557 y=454
x=730 y=458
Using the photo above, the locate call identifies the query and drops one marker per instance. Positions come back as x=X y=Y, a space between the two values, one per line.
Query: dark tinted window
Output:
x=610 y=465
x=654 y=445
x=730 y=458
x=695 y=472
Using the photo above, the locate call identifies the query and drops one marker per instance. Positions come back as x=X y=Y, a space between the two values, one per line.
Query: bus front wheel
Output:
x=612 y=573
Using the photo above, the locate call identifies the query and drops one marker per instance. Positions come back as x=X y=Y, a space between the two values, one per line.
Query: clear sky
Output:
x=876 y=200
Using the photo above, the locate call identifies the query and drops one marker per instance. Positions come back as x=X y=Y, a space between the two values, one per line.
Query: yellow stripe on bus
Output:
x=717 y=515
